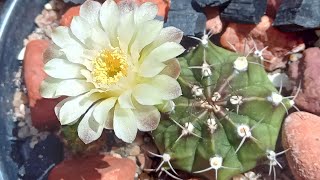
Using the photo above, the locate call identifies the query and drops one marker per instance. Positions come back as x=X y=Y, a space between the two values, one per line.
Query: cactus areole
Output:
x=227 y=113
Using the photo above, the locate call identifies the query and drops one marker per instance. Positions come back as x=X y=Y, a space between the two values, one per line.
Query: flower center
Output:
x=109 y=67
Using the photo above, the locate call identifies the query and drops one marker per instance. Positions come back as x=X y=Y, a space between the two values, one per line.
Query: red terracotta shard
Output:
x=42 y=110
x=279 y=44
x=94 y=168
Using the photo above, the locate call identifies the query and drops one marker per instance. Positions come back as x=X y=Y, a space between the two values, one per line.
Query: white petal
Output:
x=127 y=6
x=146 y=33
x=167 y=87
x=88 y=129
x=146 y=94
x=73 y=87
x=109 y=19
x=165 y=52
x=73 y=109
x=101 y=112
x=125 y=31
x=51 y=52
x=87 y=75
x=167 y=34
x=100 y=39
x=63 y=69
x=147 y=117
x=124 y=124
x=74 y=53
x=147 y=11
x=49 y=86
x=60 y=104
x=89 y=10
x=62 y=37
x=80 y=28
x=109 y=120
x=172 y=69
x=125 y=100
x=151 y=68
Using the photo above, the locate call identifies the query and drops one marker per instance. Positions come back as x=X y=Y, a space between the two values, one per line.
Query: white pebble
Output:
x=21 y=54
x=48 y=6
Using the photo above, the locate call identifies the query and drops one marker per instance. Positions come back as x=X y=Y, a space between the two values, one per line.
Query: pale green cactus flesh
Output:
x=250 y=110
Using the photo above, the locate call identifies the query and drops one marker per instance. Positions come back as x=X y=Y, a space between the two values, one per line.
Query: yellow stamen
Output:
x=109 y=67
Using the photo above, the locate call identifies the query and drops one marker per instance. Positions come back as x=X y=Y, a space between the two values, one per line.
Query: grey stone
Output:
x=75 y=1
x=245 y=11
x=211 y=3
x=187 y=16
x=298 y=15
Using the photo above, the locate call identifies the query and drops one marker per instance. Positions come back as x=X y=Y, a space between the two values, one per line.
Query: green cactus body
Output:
x=233 y=102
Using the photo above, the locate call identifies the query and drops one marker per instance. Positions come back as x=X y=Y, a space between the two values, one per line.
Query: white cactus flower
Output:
x=116 y=63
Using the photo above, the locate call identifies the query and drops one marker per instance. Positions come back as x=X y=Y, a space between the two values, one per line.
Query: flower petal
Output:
x=146 y=70
x=147 y=11
x=167 y=106
x=89 y=10
x=63 y=69
x=49 y=86
x=88 y=129
x=125 y=100
x=109 y=19
x=99 y=39
x=167 y=87
x=62 y=36
x=147 y=94
x=126 y=31
x=74 y=53
x=146 y=33
x=73 y=87
x=172 y=69
x=60 y=104
x=165 y=52
x=73 y=109
x=80 y=28
x=124 y=124
x=167 y=34
x=101 y=112
x=109 y=120
x=147 y=117
x=51 y=52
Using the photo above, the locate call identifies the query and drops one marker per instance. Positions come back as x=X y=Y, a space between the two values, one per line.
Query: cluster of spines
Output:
x=215 y=106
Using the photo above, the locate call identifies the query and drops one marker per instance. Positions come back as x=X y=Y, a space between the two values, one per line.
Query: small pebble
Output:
x=48 y=6
x=134 y=151
x=21 y=54
x=295 y=57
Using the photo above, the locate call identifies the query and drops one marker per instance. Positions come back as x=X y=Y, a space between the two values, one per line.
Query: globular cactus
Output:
x=76 y=146
x=228 y=118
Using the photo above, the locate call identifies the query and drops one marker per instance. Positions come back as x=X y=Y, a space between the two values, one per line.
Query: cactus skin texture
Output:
x=258 y=111
x=75 y=145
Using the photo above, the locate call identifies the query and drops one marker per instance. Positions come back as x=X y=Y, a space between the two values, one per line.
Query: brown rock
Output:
x=42 y=110
x=272 y=7
x=94 y=168
x=279 y=43
x=307 y=71
x=68 y=16
x=302 y=136
x=214 y=23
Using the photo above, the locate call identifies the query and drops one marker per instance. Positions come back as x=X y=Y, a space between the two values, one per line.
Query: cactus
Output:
x=228 y=118
x=76 y=146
